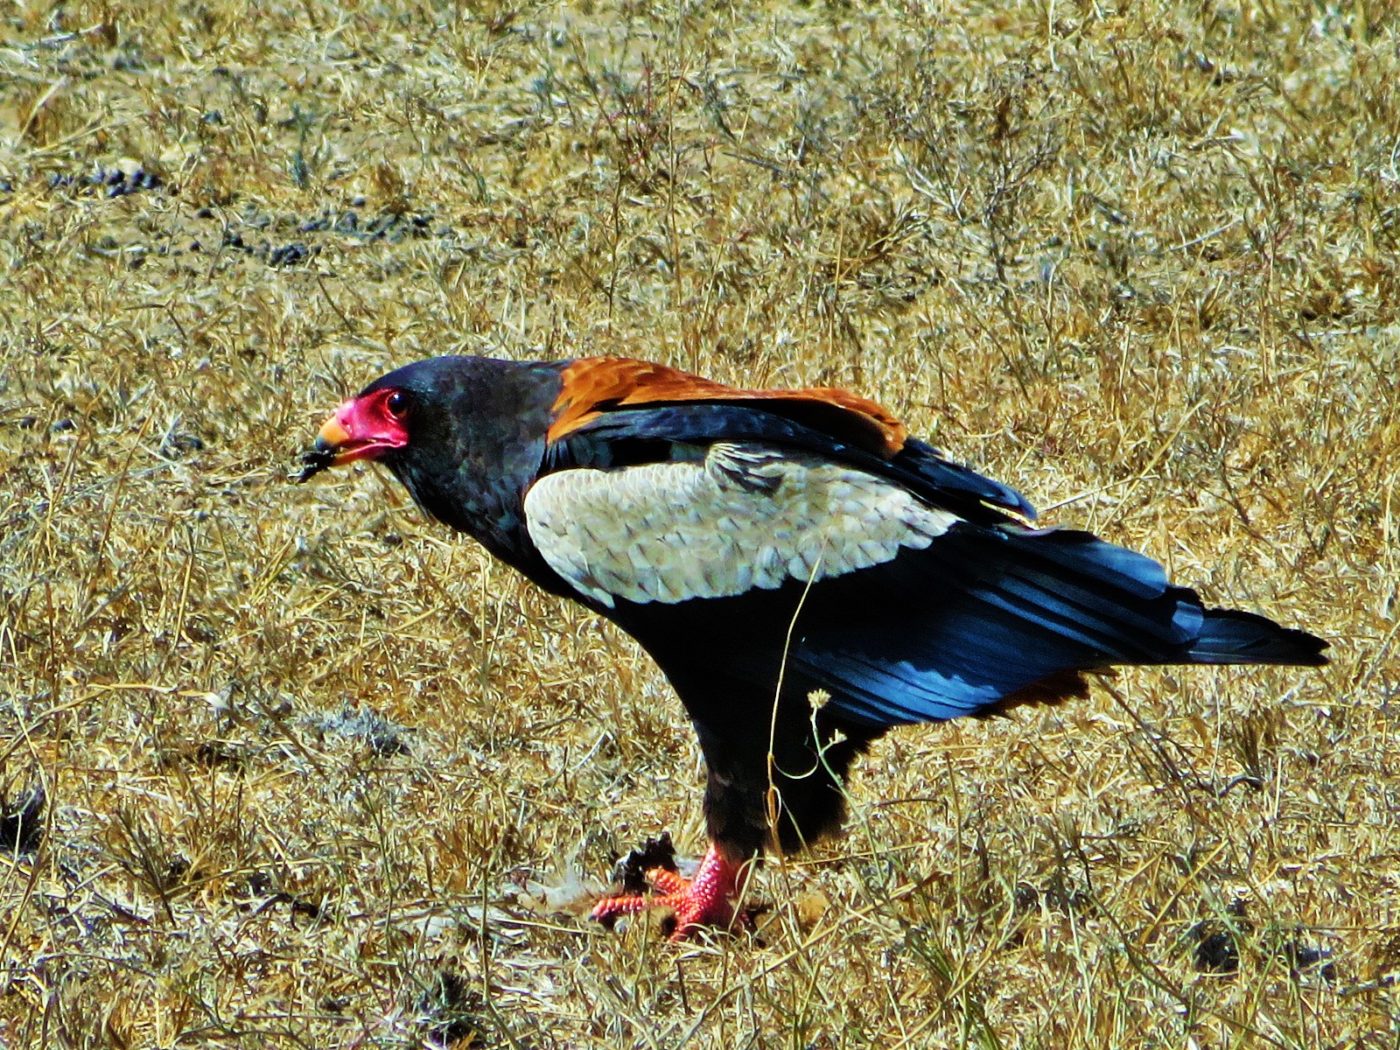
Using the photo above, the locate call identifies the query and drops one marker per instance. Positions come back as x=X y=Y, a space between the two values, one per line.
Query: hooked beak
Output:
x=337 y=442
x=333 y=441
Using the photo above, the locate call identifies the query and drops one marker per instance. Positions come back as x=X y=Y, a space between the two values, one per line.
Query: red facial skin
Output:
x=365 y=427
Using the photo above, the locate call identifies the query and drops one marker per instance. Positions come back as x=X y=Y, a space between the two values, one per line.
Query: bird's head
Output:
x=464 y=434
x=395 y=417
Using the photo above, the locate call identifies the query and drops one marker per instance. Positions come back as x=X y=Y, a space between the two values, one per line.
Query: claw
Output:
x=706 y=900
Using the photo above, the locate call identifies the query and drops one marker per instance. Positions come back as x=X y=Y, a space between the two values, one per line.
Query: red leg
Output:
x=706 y=900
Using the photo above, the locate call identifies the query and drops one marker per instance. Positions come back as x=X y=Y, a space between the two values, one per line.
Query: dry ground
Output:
x=318 y=775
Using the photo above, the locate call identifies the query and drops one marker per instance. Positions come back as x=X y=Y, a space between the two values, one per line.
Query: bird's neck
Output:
x=481 y=497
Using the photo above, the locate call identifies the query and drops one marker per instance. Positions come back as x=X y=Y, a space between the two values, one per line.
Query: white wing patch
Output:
x=746 y=516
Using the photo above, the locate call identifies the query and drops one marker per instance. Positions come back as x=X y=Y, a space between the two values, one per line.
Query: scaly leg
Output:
x=706 y=900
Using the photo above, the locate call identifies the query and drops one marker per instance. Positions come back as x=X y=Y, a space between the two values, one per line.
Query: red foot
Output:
x=706 y=900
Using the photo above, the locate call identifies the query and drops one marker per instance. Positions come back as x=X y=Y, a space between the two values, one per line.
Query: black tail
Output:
x=1229 y=636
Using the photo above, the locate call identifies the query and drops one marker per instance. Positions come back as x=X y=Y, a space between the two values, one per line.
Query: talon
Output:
x=706 y=900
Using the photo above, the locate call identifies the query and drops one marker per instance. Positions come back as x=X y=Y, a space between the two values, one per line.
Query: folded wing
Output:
x=743 y=518
x=614 y=412
x=923 y=593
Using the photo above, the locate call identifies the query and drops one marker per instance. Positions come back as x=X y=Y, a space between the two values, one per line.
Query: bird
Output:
x=805 y=572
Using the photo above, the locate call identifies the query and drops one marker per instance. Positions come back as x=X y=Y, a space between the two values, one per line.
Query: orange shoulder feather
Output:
x=593 y=385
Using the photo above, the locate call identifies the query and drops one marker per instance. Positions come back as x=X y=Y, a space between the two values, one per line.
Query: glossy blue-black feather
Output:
x=625 y=436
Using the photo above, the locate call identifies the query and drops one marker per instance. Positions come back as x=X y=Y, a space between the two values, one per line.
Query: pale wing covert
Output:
x=745 y=516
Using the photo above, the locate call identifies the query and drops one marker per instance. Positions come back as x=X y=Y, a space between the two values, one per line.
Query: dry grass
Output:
x=318 y=775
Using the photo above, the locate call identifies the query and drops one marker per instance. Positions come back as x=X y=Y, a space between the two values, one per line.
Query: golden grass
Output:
x=319 y=775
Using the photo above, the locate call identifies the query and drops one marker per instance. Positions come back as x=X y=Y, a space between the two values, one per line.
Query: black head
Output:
x=464 y=434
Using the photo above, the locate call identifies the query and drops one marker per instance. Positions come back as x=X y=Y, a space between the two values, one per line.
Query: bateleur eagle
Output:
x=763 y=545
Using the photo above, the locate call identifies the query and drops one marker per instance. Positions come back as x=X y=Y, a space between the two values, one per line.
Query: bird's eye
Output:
x=397 y=404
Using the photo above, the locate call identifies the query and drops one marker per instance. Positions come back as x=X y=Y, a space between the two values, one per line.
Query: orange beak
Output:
x=332 y=439
x=334 y=445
